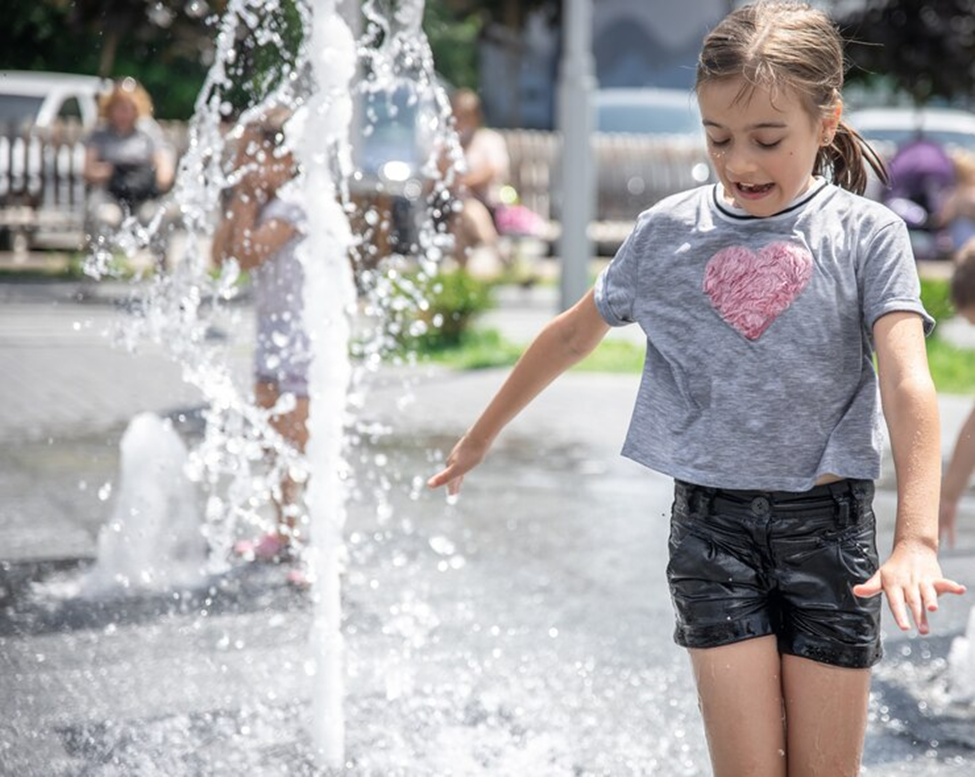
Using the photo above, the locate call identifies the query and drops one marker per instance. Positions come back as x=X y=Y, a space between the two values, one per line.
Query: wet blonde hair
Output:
x=126 y=89
x=779 y=45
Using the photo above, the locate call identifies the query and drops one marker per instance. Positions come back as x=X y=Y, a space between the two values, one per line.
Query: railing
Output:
x=42 y=187
x=42 y=190
x=633 y=172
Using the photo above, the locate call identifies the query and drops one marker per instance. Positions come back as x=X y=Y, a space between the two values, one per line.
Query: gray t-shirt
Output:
x=759 y=335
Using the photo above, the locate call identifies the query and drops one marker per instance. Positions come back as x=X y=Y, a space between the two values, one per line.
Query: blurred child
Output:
x=958 y=211
x=485 y=171
x=962 y=463
x=261 y=230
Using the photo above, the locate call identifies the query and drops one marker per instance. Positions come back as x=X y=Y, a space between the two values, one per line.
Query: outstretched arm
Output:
x=911 y=577
x=564 y=341
x=958 y=474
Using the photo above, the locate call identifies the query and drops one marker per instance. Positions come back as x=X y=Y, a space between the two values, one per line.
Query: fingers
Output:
x=912 y=598
x=870 y=588
x=445 y=475
x=895 y=600
x=945 y=586
x=452 y=476
x=453 y=487
x=912 y=601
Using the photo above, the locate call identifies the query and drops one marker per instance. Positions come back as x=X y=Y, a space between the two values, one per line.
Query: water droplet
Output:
x=442 y=546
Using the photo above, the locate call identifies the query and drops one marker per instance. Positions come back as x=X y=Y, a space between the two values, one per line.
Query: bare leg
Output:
x=740 y=692
x=473 y=226
x=293 y=427
x=826 y=707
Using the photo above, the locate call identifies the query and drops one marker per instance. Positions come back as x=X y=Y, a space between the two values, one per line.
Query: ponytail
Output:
x=846 y=158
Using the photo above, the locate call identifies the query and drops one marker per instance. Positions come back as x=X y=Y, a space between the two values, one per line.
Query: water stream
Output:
x=323 y=76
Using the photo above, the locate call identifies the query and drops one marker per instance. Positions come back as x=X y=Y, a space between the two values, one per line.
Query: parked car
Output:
x=672 y=113
x=34 y=99
x=891 y=127
x=392 y=147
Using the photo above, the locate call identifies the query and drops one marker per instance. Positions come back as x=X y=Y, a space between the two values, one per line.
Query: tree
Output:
x=927 y=49
x=168 y=44
x=159 y=42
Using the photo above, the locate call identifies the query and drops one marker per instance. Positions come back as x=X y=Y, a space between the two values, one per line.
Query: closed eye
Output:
x=719 y=143
x=768 y=145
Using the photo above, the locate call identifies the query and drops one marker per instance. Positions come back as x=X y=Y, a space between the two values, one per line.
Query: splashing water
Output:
x=961 y=665
x=153 y=539
x=316 y=58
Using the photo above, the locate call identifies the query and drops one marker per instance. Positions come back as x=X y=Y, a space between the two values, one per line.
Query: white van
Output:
x=39 y=99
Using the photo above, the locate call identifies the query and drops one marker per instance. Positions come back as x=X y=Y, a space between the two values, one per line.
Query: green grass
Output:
x=614 y=356
x=952 y=368
x=478 y=349
x=484 y=348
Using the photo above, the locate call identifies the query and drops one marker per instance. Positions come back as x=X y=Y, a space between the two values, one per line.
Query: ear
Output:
x=831 y=121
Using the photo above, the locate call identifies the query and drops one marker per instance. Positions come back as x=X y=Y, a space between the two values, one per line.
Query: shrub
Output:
x=449 y=303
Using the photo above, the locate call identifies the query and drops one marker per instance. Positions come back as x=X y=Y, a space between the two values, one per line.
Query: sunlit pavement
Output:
x=525 y=630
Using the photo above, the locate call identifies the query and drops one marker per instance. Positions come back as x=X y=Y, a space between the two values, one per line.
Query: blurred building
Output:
x=635 y=43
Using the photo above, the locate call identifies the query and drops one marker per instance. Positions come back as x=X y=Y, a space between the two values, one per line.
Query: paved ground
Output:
x=522 y=631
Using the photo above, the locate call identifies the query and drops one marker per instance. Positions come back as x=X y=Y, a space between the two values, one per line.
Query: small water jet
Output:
x=153 y=540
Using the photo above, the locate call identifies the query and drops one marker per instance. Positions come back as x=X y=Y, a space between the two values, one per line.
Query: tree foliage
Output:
x=168 y=44
x=159 y=42
x=927 y=49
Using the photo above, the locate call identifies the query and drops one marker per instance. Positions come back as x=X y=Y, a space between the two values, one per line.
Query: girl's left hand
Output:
x=912 y=579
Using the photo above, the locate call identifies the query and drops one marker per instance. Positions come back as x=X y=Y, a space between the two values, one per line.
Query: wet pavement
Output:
x=525 y=630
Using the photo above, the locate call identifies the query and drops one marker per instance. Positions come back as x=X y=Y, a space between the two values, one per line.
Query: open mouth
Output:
x=753 y=190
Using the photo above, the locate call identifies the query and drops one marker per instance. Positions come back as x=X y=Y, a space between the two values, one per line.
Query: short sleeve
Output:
x=888 y=278
x=285 y=210
x=615 y=291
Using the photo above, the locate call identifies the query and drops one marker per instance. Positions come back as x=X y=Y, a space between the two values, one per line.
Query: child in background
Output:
x=962 y=462
x=763 y=298
x=261 y=229
x=485 y=171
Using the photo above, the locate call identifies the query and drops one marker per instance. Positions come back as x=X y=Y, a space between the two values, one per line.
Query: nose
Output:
x=738 y=160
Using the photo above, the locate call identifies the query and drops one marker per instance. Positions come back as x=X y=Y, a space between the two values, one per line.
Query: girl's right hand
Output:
x=466 y=455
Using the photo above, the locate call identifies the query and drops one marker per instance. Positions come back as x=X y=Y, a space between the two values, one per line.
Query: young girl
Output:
x=261 y=230
x=763 y=298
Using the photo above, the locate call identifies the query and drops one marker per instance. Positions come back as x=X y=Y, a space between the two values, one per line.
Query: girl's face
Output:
x=763 y=149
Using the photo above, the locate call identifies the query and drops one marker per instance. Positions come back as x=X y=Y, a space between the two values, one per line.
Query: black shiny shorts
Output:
x=747 y=564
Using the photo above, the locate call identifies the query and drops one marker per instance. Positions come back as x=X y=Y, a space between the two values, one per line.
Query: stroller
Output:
x=921 y=177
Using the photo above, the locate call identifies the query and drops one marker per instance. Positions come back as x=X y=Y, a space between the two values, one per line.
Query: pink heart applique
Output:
x=751 y=289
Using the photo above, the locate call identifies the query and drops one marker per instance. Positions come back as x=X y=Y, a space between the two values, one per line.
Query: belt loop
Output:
x=862 y=493
x=843 y=496
x=701 y=499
